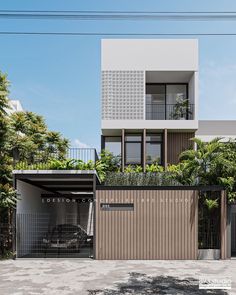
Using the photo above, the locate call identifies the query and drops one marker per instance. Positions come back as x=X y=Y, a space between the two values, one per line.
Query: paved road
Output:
x=91 y=277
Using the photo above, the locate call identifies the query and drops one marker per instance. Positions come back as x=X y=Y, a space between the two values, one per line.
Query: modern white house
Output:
x=149 y=114
x=150 y=100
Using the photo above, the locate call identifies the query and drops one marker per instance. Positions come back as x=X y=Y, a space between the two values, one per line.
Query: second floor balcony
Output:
x=169 y=101
x=181 y=111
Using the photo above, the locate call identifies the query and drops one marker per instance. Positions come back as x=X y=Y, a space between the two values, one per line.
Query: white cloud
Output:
x=77 y=143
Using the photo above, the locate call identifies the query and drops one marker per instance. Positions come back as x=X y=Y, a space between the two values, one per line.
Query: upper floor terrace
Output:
x=73 y=159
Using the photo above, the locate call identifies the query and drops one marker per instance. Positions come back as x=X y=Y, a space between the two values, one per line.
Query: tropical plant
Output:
x=4 y=91
x=30 y=139
x=181 y=108
x=212 y=163
x=201 y=163
x=154 y=168
x=211 y=204
x=133 y=169
x=8 y=196
x=111 y=162
x=101 y=170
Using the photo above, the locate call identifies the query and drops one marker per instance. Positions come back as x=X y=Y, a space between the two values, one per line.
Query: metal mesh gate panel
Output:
x=55 y=234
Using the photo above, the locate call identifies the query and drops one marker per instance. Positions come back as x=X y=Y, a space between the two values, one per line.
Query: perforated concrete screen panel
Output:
x=122 y=95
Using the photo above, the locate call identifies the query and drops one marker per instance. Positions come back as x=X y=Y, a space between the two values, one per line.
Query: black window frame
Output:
x=103 y=144
x=165 y=85
x=156 y=141
x=141 y=148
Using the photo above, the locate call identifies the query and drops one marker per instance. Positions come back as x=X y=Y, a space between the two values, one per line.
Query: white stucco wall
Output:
x=29 y=198
x=149 y=124
x=193 y=93
x=150 y=54
x=126 y=62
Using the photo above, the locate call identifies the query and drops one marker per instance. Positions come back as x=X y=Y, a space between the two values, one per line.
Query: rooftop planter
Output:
x=141 y=179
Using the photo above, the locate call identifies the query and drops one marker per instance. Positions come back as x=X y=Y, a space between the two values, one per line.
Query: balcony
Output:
x=157 y=111
x=45 y=160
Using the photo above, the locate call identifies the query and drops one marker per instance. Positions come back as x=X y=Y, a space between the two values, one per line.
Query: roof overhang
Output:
x=59 y=181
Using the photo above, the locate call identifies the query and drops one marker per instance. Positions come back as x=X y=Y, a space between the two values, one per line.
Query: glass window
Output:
x=175 y=92
x=113 y=144
x=153 y=153
x=161 y=100
x=153 y=148
x=155 y=137
x=133 y=149
x=133 y=138
x=155 y=102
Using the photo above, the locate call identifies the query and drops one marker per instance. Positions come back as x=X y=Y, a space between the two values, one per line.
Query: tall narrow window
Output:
x=155 y=102
x=175 y=97
x=154 y=149
x=133 y=149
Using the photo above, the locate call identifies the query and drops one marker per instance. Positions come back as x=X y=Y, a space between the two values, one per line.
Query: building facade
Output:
x=149 y=115
x=149 y=99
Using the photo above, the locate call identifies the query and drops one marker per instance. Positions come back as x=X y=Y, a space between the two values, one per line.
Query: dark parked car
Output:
x=67 y=236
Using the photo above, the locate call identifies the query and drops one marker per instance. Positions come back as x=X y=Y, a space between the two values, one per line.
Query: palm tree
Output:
x=201 y=163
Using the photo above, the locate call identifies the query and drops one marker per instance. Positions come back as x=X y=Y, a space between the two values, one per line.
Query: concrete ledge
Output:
x=209 y=254
x=54 y=171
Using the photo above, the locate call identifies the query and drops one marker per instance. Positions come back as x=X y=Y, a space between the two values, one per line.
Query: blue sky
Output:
x=59 y=76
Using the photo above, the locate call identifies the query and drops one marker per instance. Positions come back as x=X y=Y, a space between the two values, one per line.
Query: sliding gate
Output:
x=64 y=229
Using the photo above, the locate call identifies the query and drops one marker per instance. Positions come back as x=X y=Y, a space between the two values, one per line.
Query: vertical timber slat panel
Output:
x=176 y=143
x=223 y=225
x=163 y=225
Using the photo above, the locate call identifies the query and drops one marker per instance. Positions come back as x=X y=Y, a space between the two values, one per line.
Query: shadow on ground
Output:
x=140 y=284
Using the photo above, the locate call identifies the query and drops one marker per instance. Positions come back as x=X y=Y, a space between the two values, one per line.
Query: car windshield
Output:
x=65 y=228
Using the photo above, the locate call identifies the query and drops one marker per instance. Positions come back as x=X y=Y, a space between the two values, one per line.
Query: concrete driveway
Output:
x=91 y=277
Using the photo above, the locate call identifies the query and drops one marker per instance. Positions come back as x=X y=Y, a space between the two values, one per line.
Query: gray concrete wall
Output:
x=209 y=129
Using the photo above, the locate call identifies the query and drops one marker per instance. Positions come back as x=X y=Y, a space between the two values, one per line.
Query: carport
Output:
x=55 y=212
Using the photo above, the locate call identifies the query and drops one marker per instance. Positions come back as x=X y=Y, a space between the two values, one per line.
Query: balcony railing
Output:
x=43 y=159
x=156 y=111
x=84 y=154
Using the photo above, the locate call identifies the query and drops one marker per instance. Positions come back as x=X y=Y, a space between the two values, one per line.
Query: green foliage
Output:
x=56 y=164
x=133 y=169
x=212 y=163
x=8 y=196
x=111 y=162
x=32 y=140
x=4 y=91
x=181 y=108
x=26 y=136
x=7 y=255
x=140 y=179
x=101 y=170
x=200 y=164
x=211 y=204
x=154 y=168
